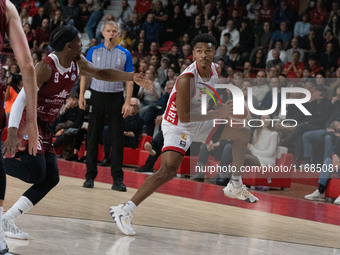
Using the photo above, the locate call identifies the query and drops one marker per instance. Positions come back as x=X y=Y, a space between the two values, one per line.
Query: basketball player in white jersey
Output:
x=182 y=124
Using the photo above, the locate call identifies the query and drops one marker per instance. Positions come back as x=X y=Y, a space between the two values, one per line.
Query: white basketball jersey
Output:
x=201 y=87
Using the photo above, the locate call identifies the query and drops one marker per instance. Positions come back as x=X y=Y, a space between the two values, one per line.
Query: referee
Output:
x=107 y=104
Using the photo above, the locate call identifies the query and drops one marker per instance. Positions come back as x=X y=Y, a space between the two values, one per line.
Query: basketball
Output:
x=237 y=121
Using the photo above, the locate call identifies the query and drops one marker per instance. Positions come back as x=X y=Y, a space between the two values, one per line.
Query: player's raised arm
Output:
x=88 y=69
x=21 y=50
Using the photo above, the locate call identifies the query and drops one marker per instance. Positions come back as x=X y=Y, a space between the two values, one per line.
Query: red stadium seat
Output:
x=131 y=156
x=333 y=188
x=166 y=46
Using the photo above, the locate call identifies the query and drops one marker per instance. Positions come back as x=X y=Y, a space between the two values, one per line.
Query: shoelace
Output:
x=13 y=228
x=244 y=191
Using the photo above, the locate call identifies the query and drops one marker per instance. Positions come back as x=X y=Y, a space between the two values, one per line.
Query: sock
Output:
x=2 y=234
x=130 y=207
x=236 y=181
x=21 y=206
x=321 y=188
x=1 y=229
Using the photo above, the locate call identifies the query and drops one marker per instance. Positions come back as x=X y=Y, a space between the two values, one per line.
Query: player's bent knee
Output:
x=167 y=173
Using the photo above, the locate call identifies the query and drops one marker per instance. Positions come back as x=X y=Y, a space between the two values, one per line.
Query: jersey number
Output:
x=56 y=77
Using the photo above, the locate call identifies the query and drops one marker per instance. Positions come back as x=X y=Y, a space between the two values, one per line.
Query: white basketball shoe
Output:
x=240 y=193
x=316 y=196
x=122 y=219
x=12 y=231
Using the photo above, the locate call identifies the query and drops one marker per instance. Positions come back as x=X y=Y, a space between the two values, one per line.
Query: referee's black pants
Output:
x=105 y=106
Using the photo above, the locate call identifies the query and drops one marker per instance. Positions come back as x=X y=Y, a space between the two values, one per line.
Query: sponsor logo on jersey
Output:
x=62 y=94
x=73 y=77
x=182 y=144
x=184 y=137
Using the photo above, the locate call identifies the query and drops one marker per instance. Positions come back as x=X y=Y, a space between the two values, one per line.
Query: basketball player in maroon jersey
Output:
x=10 y=24
x=56 y=75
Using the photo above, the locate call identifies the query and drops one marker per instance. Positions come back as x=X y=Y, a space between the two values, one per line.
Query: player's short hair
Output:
x=62 y=35
x=204 y=38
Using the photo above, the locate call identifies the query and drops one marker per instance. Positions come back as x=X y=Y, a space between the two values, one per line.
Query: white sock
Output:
x=236 y=181
x=21 y=206
x=1 y=229
x=130 y=207
x=2 y=234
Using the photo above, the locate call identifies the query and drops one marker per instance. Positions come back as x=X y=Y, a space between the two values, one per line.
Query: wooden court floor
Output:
x=70 y=200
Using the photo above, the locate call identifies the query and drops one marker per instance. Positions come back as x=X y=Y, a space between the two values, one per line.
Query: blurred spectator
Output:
x=248 y=71
x=314 y=64
x=226 y=42
x=69 y=121
x=152 y=29
x=282 y=53
x=154 y=50
x=221 y=53
x=57 y=20
x=71 y=13
x=294 y=69
x=334 y=26
x=149 y=97
x=212 y=30
x=175 y=25
x=125 y=15
x=37 y=18
x=161 y=17
x=329 y=38
x=238 y=7
x=93 y=43
x=252 y=8
x=234 y=58
x=29 y=35
x=124 y=40
x=140 y=52
x=96 y=13
x=318 y=15
x=36 y=56
x=42 y=36
x=221 y=20
x=329 y=60
x=163 y=70
x=12 y=92
x=134 y=27
x=234 y=34
x=50 y=8
x=266 y=11
x=197 y=27
x=258 y=60
x=295 y=47
x=301 y=28
x=142 y=7
x=31 y=6
x=246 y=43
x=283 y=14
x=170 y=76
x=173 y=55
x=24 y=17
x=265 y=143
x=140 y=38
x=261 y=87
x=186 y=52
x=275 y=60
x=283 y=35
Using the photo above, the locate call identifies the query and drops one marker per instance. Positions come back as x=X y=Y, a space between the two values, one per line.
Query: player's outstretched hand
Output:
x=140 y=79
x=11 y=144
x=32 y=132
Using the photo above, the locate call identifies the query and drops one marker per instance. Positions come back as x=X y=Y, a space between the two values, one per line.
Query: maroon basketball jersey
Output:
x=52 y=95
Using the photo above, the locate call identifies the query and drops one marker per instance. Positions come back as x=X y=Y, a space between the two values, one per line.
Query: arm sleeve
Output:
x=89 y=55
x=17 y=109
x=128 y=65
